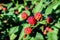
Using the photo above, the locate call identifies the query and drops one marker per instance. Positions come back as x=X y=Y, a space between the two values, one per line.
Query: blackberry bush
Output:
x=29 y=19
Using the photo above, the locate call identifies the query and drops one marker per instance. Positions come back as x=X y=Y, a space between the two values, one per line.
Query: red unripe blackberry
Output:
x=50 y=30
x=47 y=28
x=1 y=7
x=31 y=20
x=16 y=11
x=49 y=20
x=4 y=8
x=24 y=15
x=45 y=32
x=27 y=30
x=37 y=16
x=26 y=8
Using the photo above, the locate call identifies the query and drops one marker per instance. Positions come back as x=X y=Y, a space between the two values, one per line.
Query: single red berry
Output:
x=16 y=11
x=50 y=30
x=4 y=8
x=37 y=16
x=27 y=30
x=47 y=28
x=45 y=32
x=49 y=20
x=1 y=7
x=31 y=20
x=24 y=15
x=26 y=8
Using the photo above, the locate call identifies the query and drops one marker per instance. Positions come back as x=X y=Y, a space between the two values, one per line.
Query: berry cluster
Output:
x=46 y=29
x=29 y=20
x=32 y=20
x=3 y=8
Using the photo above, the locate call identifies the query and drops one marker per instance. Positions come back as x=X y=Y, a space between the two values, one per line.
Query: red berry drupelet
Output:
x=37 y=16
x=24 y=15
x=27 y=30
x=49 y=20
x=31 y=20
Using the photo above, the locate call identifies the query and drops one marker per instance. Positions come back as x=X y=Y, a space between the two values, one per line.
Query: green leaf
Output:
x=51 y=7
x=39 y=36
x=13 y=30
x=12 y=0
x=11 y=10
x=0 y=23
x=32 y=38
x=52 y=35
x=20 y=18
x=9 y=5
x=46 y=3
x=9 y=14
x=57 y=24
x=59 y=19
x=34 y=1
x=43 y=22
x=25 y=25
x=38 y=8
x=57 y=11
x=20 y=8
x=12 y=37
x=25 y=2
x=0 y=28
x=28 y=12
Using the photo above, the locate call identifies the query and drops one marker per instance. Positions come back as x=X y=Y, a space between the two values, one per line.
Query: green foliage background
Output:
x=13 y=28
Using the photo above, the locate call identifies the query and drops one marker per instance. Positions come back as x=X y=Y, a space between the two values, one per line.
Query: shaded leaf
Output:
x=39 y=37
x=51 y=7
x=38 y=8
x=13 y=30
